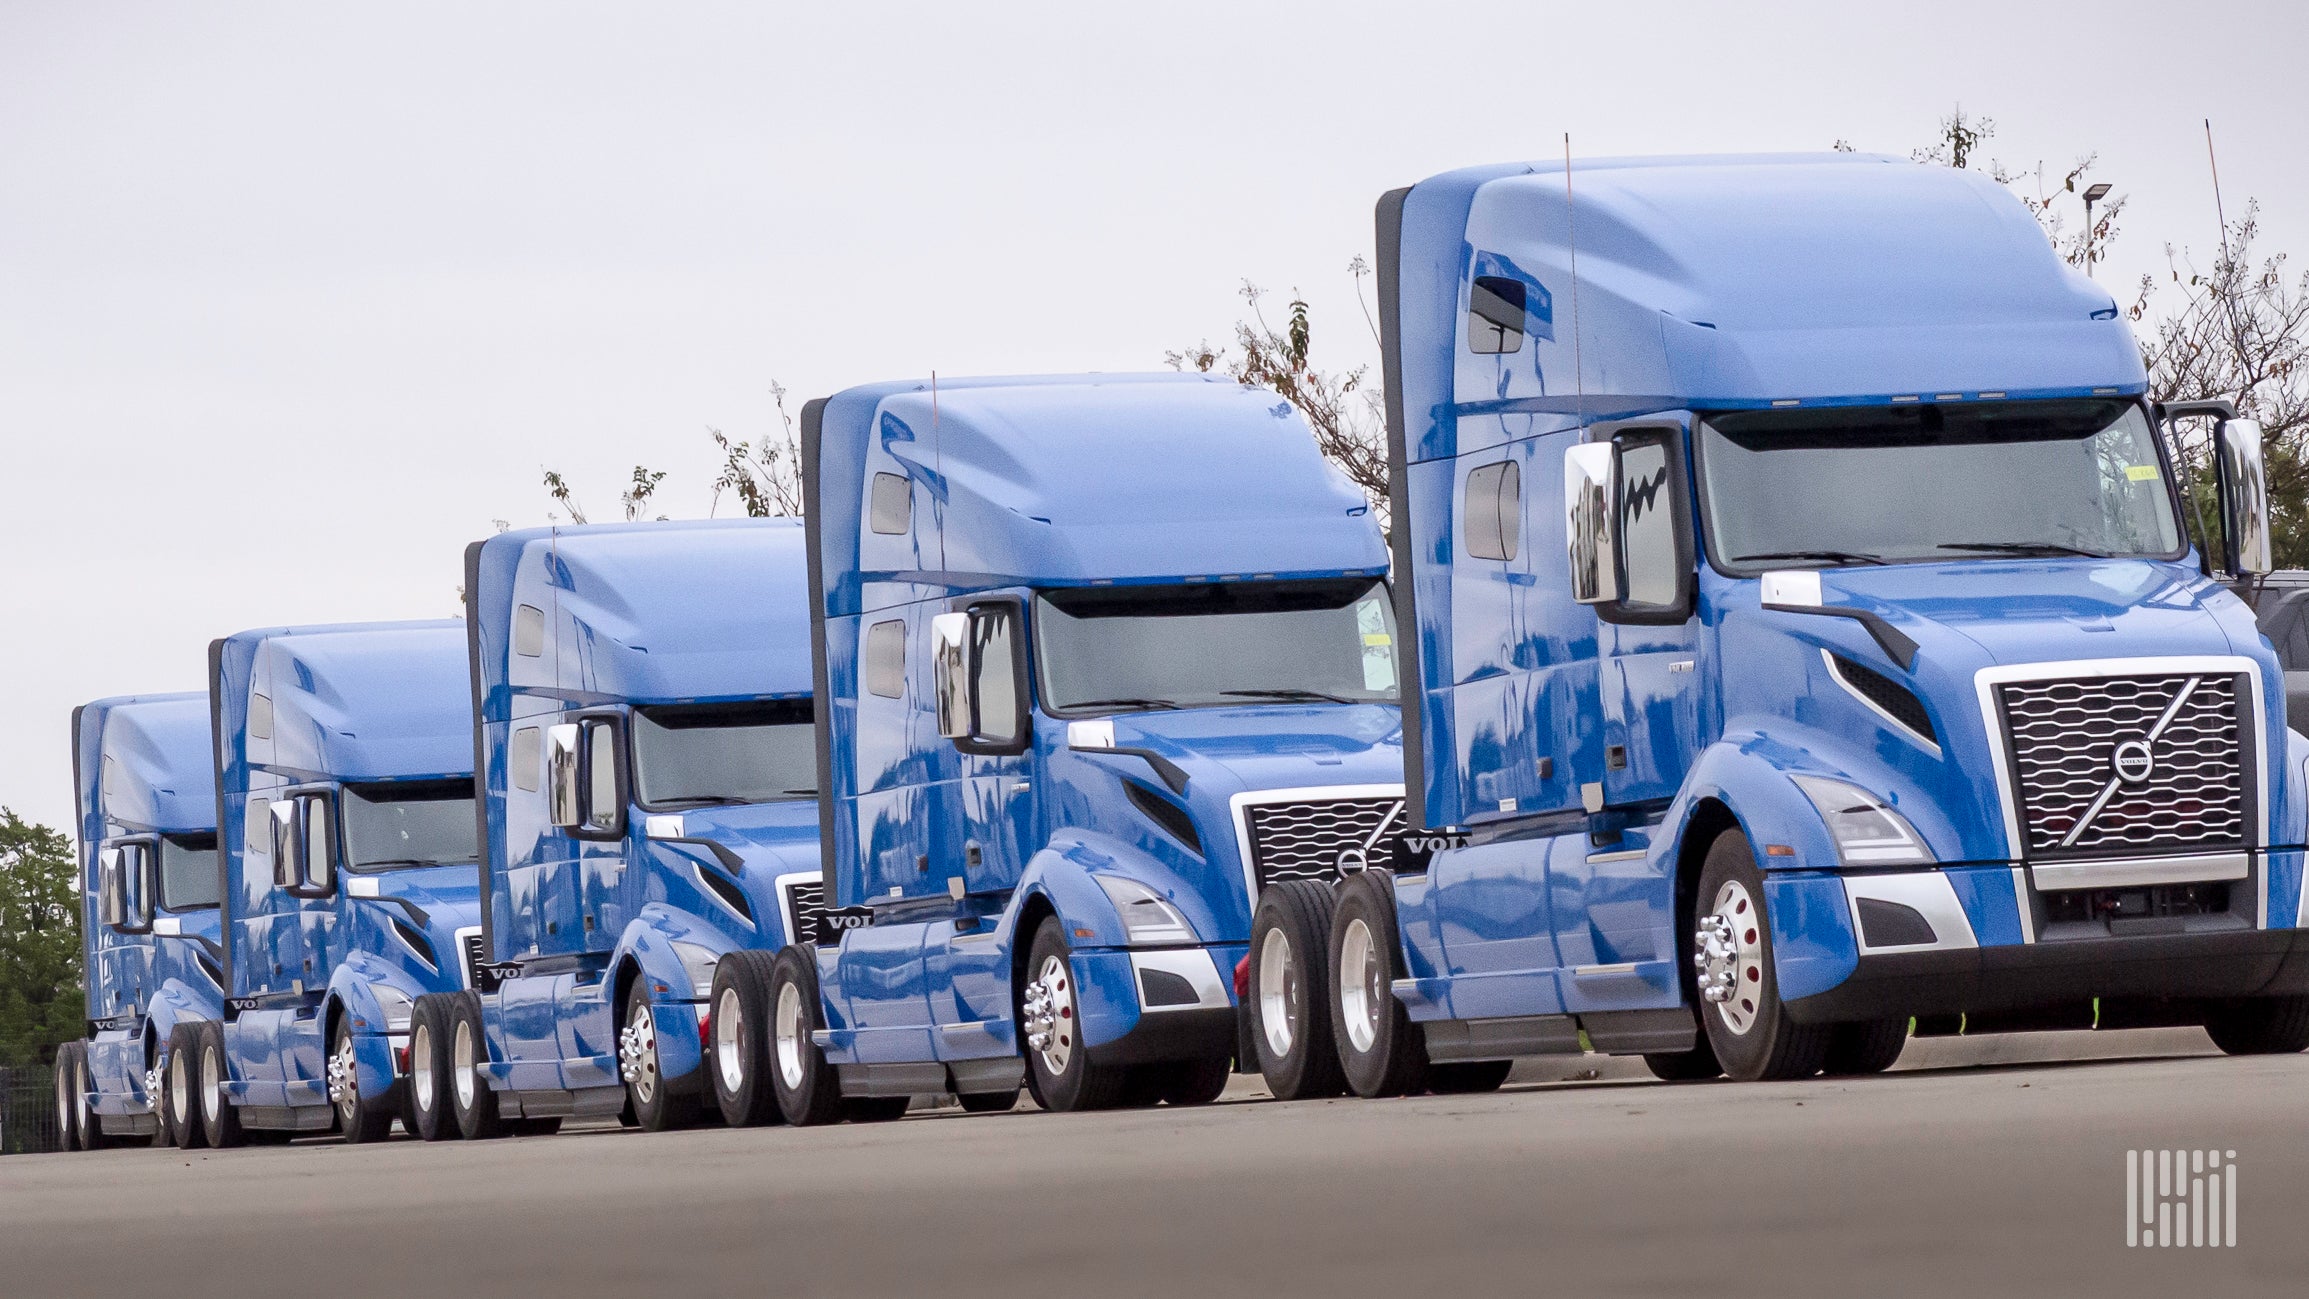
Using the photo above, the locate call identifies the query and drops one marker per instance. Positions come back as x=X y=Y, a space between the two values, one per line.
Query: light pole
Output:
x=2094 y=193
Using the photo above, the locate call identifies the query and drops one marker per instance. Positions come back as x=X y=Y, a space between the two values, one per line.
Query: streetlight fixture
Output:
x=2094 y=193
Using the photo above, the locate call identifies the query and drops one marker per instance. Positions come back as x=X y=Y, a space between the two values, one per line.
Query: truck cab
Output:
x=345 y=807
x=645 y=751
x=146 y=803
x=1809 y=636
x=1099 y=657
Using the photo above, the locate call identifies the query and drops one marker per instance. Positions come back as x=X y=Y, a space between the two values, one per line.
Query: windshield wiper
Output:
x=1124 y=703
x=701 y=800
x=1292 y=693
x=1831 y=556
x=2023 y=548
x=392 y=863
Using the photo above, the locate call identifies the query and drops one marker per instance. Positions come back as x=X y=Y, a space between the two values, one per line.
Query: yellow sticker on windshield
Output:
x=2141 y=473
x=1377 y=638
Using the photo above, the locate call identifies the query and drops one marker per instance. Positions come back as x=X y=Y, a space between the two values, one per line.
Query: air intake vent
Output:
x=1163 y=812
x=806 y=903
x=1887 y=694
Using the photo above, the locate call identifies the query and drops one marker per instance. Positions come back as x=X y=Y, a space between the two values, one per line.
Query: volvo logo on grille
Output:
x=2133 y=762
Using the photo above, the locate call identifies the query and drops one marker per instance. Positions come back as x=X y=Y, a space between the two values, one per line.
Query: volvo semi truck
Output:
x=1097 y=658
x=1809 y=632
x=145 y=798
x=346 y=864
x=646 y=781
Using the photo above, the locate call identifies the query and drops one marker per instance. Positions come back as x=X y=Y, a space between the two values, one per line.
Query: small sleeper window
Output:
x=1493 y=517
x=884 y=668
x=1495 y=315
x=891 y=511
x=525 y=754
x=260 y=723
x=257 y=834
x=528 y=631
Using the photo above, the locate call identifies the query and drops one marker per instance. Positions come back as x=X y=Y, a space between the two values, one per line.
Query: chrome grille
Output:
x=806 y=903
x=476 y=955
x=2068 y=739
x=1304 y=840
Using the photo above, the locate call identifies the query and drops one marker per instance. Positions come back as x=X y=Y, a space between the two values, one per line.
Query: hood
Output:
x=1275 y=746
x=2027 y=611
x=772 y=839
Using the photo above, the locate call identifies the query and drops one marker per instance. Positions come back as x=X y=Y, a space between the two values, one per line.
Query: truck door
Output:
x=984 y=708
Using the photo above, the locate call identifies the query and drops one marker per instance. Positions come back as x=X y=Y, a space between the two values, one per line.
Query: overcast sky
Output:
x=296 y=300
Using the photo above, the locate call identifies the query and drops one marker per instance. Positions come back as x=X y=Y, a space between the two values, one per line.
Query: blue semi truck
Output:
x=145 y=796
x=1097 y=657
x=646 y=775
x=1808 y=637
x=347 y=869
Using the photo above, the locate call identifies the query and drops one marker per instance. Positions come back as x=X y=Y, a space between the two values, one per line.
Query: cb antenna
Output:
x=1571 y=237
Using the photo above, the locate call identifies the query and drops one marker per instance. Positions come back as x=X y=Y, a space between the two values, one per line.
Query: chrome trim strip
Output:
x=1633 y=854
x=1602 y=971
x=2126 y=872
x=2020 y=895
x=1929 y=894
x=785 y=903
x=462 y=938
x=1239 y=807
x=1836 y=675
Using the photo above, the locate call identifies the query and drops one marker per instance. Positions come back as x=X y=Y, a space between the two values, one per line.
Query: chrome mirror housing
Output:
x=111 y=902
x=950 y=673
x=2244 y=483
x=1591 y=521
x=561 y=775
x=288 y=840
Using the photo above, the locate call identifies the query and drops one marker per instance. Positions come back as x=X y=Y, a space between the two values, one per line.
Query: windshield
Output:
x=701 y=755
x=187 y=871
x=1855 y=486
x=409 y=823
x=1195 y=646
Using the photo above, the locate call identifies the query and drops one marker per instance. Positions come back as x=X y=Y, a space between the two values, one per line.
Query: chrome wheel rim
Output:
x=1728 y=957
x=154 y=1080
x=1047 y=1015
x=1280 y=996
x=637 y=1054
x=179 y=1087
x=344 y=1079
x=421 y=1080
x=730 y=1041
x=461 y=1065
x=1359 y=991
x=63 y=1100
x=211 y=1084
x=790 y=1031
x=80 y=1120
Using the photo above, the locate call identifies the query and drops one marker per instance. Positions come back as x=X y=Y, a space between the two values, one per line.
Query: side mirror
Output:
x=2244 y=487
x=111 y=893
x=950 y=673
x=139 y=885
x=288 y=844
x=317 y=858
x=561 y=776
x=603 y=810
x=1591 y=521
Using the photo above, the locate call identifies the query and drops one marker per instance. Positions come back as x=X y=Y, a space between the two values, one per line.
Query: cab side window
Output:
x=1654 y=538
x=1001 y=720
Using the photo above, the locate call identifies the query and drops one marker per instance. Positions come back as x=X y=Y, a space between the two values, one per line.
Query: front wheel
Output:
x=358 y=1121
x=179 y=1094
x=740 y=1060
x=1289 y=1008
x=656 y=1105
x=2260 y=1025
x=1381 y=1052
x=1748 y=1026
x=1871 y=1046
x=808 y=1091
x=1050 y=1027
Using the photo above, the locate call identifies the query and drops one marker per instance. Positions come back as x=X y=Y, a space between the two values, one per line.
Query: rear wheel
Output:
x=988 y=1102
x=1864 y=1048
x=1747 y=1024
x=1287 y=999
x=656 y=1105
x=470 y=1100
x=430 y=1115
x=69 y=1101
x=1065 y=1077
x=1468 y=1077
x=180 y=1093
x=2260 y=1025
x=220 y=1119
x=1193 y=1082
x=875 y=1109
x=1381 y=1052
x=807 y=1089
x=358 y=1121
x=740 y=1063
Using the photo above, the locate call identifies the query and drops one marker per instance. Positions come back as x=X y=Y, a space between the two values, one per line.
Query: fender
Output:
x=1061 y=872
x=648 y=943
x=375 y=997
x=176 y=1003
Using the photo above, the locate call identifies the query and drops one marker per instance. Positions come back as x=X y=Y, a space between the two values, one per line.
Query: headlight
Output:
x=1147 y=917
x=1867 y=833
x=698 y=963
x=394 y=1005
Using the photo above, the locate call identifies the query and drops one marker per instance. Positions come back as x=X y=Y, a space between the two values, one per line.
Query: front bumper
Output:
x=1142 y=1005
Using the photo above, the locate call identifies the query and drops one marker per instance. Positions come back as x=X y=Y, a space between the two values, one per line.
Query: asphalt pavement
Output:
x=1993 y=1166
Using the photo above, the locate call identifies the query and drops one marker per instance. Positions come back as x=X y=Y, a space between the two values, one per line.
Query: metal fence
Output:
x=28 y=1111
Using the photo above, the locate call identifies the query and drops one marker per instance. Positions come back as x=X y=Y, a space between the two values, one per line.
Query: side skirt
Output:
x=1619 y=1032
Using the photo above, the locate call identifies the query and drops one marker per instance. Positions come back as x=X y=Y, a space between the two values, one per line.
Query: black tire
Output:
x=70 y=1101
x=360 y=1122
x=2259 y=1025
x=660 y=1104
x=1381 y=1052
x=180 y=1094
x=1194 y=1082
x=808 y=1091
x=738 y=1066
x=1288 y=1002
x=1469 y=1077
x=1869 y=1047
x=1065 y=1078
x=1750 y=1031
x=1696 y=1065
x=533 y=1127
x=220 y=1119
x=432 y=1115
x=988 y=1102
x=875 y=1109
x=470 y=1101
